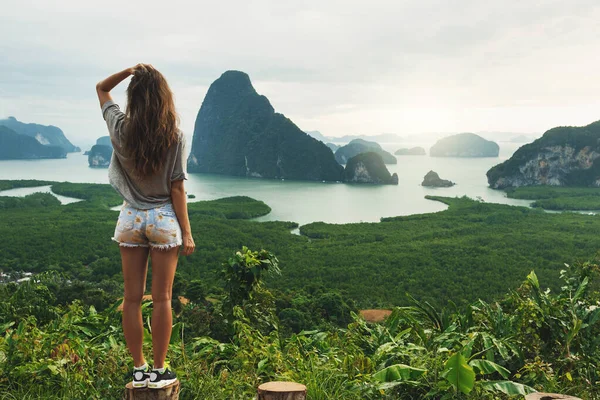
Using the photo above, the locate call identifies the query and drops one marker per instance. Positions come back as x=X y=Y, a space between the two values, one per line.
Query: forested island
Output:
x=563 y=156
x=368 y=167
x=237 y=132
x=14 y=146
x=501 y=321
x=44 y=134
x=100 y=154
x=464 y=145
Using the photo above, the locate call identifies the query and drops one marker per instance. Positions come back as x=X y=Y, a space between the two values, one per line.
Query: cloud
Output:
x=403 y=66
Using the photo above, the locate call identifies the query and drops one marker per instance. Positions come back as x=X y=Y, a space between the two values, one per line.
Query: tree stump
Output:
x=281 y=391
x=170 y=392
x=549 y=396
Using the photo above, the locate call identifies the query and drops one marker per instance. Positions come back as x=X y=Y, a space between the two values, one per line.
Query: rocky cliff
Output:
x=432 y=179
x=368 y=168
x=464 y=145
x=237 y=132
x=14 y=146
x=46 y=135
x=357 y=146
x=99 y=156
x=564 y=156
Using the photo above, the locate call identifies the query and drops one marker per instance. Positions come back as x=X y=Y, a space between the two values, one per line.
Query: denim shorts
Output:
x=157 y=228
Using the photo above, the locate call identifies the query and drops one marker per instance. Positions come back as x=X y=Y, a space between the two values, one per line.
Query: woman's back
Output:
x=139 y=190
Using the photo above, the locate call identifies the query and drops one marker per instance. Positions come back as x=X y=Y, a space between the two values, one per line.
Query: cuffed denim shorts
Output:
x=157 y=228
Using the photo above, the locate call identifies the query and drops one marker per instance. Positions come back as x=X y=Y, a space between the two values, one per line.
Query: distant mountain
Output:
x=317 y=135
x=46 y=135
x=357 y=146
x=464 y=145
x=522 y=139
x=237 y=132
x=368 y=168
x=383 y=138
x=515 y=137
x=332 y=146
x=563 y=156
x=414 y=151
x=14 y=146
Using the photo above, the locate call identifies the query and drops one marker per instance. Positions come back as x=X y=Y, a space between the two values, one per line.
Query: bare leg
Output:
x=164 y=264
x=135 y=266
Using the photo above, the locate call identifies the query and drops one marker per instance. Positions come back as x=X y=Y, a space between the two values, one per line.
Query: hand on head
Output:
x=140 y=69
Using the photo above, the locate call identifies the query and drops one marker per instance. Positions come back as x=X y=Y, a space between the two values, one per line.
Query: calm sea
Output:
x=305 y=202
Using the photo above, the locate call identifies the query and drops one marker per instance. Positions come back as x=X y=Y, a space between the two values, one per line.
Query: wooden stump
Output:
x=549 y=396
x=281 y=391
x=170 y=392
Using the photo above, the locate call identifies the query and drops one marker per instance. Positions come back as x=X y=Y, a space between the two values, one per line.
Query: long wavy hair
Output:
x=152 y=124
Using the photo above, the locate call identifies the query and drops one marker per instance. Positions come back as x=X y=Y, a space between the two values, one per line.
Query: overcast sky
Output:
x=340 y=67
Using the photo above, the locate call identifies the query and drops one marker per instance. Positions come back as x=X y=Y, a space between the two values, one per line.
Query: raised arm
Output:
x=104 y=87
x=179 y=199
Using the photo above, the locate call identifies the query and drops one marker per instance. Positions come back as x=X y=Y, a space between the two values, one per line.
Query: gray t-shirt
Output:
x=141 y=192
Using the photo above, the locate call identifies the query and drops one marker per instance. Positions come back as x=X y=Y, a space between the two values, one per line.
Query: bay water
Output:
x=305 y=202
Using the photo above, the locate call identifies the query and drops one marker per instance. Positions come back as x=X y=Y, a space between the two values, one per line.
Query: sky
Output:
x=340 y=67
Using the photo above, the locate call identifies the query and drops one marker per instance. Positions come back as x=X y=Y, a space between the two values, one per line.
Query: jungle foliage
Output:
x=559 y=198
x=530 y=339
x=472 y=250
x=458 y=335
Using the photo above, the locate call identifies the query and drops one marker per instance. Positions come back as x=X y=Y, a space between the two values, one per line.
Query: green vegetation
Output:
x=485 y=248
x=457 y=335
x=238 y=133
x=96 y=194
x=559 y=198
x=31 y=201
x=15 y=184
x=236 y=207
x=531 y=339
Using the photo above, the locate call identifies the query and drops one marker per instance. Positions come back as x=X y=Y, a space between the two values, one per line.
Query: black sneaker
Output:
x=161 y=379
x=141 y=377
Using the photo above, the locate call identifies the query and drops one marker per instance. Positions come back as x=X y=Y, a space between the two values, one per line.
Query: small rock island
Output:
x=100 y=154
x=368 y=168
x=432 y=179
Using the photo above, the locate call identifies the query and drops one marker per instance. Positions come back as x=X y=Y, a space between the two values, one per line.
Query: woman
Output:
x=147 y=169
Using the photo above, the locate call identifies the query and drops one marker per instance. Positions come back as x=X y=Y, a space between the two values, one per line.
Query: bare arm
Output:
x=104 y=87
x=179 y=199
